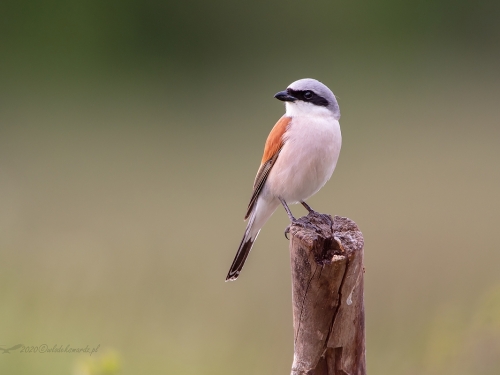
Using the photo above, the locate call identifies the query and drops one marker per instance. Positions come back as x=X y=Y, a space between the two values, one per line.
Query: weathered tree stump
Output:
x=327 y=294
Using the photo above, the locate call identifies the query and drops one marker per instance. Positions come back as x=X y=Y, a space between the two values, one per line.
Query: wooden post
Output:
x=327 y=294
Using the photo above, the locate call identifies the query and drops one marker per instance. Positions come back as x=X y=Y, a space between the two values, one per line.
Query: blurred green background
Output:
x=130 y=134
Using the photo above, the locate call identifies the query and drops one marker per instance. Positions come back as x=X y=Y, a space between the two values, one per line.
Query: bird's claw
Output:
x=293 y=221
x=287 y=231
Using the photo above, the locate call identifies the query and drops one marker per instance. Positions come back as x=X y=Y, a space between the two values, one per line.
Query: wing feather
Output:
x=274 y=144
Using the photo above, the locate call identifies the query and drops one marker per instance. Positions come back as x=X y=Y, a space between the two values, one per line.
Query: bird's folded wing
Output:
x=274 y=144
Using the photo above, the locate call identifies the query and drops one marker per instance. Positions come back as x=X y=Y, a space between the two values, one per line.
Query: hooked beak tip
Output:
x=285 y=97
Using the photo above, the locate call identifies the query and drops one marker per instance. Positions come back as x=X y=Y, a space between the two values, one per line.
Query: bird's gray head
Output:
x=306 y=92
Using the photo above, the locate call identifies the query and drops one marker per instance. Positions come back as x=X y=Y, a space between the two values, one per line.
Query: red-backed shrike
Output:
x=300 y=155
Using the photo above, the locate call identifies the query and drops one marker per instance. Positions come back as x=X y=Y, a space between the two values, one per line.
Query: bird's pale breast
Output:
x=307 y=159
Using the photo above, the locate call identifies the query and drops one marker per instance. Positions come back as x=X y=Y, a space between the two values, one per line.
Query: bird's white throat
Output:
x=300 y=108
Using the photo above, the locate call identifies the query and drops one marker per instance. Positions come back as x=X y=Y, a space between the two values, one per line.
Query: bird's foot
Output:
x=293 y=221
x=311 y=212
x=325 y=217
x=302 y=222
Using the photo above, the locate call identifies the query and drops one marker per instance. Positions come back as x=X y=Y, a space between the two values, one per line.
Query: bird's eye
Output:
x=308 y=95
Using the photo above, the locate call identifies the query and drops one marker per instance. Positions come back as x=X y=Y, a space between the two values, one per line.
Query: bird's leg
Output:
x=290 y=216
x=287 y=209
x=307 y=207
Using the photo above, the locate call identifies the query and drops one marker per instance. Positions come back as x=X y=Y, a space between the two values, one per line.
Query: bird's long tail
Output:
x=245 y=246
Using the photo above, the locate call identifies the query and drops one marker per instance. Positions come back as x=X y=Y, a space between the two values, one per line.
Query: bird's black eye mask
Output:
x=308 y=96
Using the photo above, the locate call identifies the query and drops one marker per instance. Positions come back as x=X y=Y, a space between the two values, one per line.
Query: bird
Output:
x=300 y=155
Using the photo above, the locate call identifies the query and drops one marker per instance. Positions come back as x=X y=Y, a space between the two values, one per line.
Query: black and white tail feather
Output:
x=245 y=246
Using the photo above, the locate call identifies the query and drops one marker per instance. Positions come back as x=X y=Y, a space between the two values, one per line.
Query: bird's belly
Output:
x=306 y=161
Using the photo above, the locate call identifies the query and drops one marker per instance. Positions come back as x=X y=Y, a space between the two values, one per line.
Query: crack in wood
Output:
x=303 y=302
x=339 y=302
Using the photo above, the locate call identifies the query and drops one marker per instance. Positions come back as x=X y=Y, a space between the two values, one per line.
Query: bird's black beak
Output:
x=285 y=97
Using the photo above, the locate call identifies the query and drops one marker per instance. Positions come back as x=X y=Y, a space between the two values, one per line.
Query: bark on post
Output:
x=327 y=294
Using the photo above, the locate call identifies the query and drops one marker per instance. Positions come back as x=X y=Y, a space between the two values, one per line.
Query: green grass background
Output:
x=130 y=134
